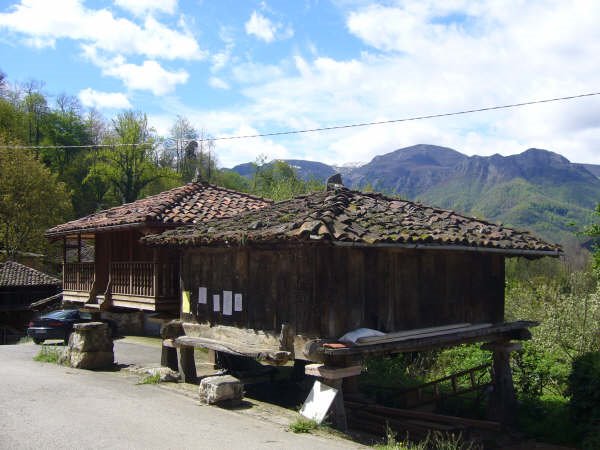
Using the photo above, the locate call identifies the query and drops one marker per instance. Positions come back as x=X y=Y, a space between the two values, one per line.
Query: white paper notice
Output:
x=237 y=302
x=227 y=302
x=216 y=302
x=202 y=295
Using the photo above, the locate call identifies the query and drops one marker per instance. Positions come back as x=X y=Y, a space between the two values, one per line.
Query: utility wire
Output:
x=335 y=127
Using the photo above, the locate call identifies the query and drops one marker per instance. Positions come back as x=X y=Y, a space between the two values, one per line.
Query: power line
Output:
x=314 y=130
x=407 y=119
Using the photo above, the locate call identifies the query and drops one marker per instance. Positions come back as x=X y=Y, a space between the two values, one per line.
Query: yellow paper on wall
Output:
x=185 y=302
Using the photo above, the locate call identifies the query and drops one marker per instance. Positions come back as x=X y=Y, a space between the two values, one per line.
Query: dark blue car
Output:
x=59 y=325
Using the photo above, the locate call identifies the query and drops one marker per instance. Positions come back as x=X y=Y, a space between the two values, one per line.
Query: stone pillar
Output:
x=90 y=347
x=502 y=406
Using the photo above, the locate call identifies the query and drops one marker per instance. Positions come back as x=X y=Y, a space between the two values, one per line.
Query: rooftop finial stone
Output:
x=334 y=181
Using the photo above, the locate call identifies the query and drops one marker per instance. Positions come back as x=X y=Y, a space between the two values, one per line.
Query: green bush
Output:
x=547 y=419
x=584 y=389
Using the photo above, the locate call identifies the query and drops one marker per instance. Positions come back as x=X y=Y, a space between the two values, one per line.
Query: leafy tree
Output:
x=36 y=107
x=593 y=231
x=130 y=163
x=180 y=148
x=31 y=200
x=279 y=181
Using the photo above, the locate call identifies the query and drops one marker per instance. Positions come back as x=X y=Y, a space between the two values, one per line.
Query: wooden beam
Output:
x=237 y=349
x=501 y=332
x=422 y=415
x=332 y=373
x=407 y=333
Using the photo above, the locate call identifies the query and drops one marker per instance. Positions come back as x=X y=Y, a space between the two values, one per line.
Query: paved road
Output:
x=45 y=406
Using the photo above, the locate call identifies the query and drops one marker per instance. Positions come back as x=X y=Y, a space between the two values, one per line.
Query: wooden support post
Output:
x=337 y=408
x=503 y=401
x=212 y=358
x=187 y=364
x=334 y=377
x=168 y=356
x=298 y=370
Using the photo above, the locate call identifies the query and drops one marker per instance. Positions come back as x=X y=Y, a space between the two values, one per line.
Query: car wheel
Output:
x=38 y=341
x=66 y=340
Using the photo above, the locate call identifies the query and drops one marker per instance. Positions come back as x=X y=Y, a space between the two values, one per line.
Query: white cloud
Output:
x=232 y=152
x=266 y=30
x=39 y=42
x=218 y=83
x=149 y=75
x=427 y=58
x=142 y=7
x=252 y=72
x=69 y=19
x=103 y=100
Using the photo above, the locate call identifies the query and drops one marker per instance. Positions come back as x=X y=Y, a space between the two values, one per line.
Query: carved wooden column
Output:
x=503 y=401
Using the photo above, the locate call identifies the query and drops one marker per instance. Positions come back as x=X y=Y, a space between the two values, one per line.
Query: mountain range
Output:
x=538 y=189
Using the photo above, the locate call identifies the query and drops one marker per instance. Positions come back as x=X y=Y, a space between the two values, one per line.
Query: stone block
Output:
x=166 y=374
x=91 y=337
x=172 y=329
x=90 y=347
x=219 y=389
x=88 y=360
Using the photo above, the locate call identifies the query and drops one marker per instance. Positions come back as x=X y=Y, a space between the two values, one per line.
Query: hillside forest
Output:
x=82 y=162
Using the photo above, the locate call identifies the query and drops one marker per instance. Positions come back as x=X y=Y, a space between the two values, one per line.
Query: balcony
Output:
x=151 y=286
x=78 y=277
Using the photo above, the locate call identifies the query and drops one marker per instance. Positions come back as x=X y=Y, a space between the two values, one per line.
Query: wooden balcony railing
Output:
x=78 y=276
x=143 y=279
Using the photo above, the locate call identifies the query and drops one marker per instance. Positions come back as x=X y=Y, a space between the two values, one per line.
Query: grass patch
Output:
x=303 y=425
x=150 y=379
x=435 y=440
x=48 y=354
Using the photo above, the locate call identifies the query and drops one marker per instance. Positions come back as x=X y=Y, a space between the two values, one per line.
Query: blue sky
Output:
x=245 y=67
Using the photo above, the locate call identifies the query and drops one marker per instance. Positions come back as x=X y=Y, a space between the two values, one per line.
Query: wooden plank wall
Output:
x=326 y=291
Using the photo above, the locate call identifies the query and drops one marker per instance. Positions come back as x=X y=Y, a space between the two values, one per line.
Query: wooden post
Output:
x=338 y=409
x=503 y=401
x=212 y=358
x=334 y=377
x=187 y=364
x=168 y=355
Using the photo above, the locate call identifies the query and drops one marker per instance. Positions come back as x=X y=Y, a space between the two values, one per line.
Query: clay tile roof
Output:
x=345 y=217
x=188 y=204
x=15 y=274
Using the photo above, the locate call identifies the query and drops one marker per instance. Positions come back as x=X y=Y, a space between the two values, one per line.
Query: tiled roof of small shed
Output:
x=188 y=204
x=349 y=217
x=13 y=274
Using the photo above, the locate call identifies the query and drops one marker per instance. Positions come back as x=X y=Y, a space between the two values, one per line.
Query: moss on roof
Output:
x=345 y=216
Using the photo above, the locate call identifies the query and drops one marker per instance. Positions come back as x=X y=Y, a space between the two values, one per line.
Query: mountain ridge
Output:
x=536 y=189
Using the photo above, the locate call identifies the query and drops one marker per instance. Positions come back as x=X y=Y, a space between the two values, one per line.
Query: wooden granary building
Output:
x=321 y=265
x=123 y=274
x=289 y=280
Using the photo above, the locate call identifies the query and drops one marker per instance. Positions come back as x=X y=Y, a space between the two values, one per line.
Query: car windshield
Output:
x=61 y=314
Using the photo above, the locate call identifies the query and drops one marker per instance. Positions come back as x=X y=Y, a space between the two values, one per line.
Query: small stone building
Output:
x=20 y=286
